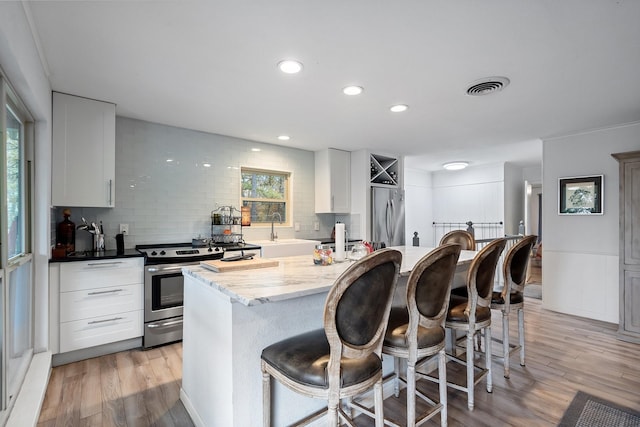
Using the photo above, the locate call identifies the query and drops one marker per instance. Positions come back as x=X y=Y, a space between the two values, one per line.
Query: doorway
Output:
x=533 y=225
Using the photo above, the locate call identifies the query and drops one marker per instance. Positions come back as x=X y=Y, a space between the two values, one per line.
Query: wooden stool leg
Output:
x=521 y=334
x=396 y=381
x=442 y=374
x=411 y=393
x=505 y=342
x=379 y=402
x=470 y=375
x=487 y=334
x=266 y=398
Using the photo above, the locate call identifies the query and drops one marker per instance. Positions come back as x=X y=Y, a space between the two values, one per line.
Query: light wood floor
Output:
x=564 y=354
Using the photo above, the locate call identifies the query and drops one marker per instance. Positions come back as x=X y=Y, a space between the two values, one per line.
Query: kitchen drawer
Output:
x=82 y=275
x=100 y=302
x=86 y=333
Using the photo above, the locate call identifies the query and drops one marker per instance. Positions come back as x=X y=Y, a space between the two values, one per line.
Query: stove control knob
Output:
x=210 y=249
x=163 y=253
x=217 y=248
x=154 y=253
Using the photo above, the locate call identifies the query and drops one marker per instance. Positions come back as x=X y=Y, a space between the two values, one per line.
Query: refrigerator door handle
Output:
x=390 y=215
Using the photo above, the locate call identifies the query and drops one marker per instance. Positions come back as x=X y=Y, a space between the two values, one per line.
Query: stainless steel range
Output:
x=164 y=284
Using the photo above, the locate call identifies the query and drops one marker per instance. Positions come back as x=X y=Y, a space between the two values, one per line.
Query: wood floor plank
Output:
x=112 y=405
x=565 y=354
x=53 y=397
x=91 y=403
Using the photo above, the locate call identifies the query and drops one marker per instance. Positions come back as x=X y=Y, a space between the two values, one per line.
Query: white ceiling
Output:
x=211 y=66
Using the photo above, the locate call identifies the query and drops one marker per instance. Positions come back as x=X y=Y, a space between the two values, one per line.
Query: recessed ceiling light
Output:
x=455 y=166
x=284 y=137
x=256 y=149
x=290 y=66
x=352 y=90
x=206 y=165
x=169 y=160
x=399 y=108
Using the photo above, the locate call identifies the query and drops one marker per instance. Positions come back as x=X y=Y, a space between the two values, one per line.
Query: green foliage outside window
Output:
x=267 y=194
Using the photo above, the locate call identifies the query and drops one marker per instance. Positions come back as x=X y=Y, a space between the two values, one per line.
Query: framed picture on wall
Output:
x=580 y=195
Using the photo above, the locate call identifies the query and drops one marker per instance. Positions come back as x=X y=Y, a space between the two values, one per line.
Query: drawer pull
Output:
x=93 y=322
x=103 y=264
x=156 y=269
x=165 y=324
x=105 y=292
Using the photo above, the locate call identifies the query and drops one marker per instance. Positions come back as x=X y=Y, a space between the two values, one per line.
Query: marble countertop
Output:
x=294 y=277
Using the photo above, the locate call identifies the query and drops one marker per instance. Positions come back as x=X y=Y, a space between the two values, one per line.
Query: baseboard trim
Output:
x=26 y=410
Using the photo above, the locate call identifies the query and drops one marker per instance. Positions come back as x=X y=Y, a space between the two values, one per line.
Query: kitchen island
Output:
x=230 y=317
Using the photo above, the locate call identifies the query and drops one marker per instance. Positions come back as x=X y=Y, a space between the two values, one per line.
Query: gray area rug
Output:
x=589 y=411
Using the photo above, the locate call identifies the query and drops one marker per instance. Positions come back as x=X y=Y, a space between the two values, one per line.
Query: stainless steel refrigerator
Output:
x=387 y=216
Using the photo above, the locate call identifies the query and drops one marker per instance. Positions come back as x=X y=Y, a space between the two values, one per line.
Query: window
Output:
x=15 y=184
x=267 y=195
x=16 y=220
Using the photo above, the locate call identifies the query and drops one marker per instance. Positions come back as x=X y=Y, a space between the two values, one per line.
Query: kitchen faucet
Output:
x=274 y=236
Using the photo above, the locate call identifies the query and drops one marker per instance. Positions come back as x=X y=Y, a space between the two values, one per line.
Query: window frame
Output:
x=287 y=195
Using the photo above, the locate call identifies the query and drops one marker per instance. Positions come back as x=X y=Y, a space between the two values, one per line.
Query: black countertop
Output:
x=94 y=256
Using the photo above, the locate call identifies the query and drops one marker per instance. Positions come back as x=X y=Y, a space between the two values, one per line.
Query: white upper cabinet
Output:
x=83 y=152
x=333 y=181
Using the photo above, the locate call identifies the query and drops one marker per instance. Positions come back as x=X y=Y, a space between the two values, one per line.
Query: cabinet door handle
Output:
x=93 y=322
x=155 y=269
x=110 y=192
x=113 y=291
x=103 y=264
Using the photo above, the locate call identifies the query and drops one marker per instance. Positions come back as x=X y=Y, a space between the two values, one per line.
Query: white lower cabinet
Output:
x=99 y=302
x=79 y=334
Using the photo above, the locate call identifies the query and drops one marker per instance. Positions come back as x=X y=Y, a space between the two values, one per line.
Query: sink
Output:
x=286 y=247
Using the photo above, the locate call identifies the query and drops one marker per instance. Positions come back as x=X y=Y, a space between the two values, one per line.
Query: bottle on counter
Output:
x=66 y=233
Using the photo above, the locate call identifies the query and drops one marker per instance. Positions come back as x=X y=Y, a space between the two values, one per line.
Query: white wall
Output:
x=172 y=202
x=474 y=194
x=580 y=253
x=514 y=194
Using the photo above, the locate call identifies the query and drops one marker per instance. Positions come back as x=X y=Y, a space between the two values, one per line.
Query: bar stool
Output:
x=515 y=266
x=471 y=313
x=416 y=332
x=461 y=237
x=344 y=358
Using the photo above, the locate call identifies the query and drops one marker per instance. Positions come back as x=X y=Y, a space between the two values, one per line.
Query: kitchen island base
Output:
x=221 y=346
x=230 y=317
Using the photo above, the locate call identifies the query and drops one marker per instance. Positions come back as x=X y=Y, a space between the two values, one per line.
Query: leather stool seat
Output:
x=514 y=298
x=397 y=330
x=457 y=306
x=304 y=359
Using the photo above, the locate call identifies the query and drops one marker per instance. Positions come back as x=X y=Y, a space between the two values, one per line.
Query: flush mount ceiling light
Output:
x=487 y=86
x=290 y=66
x=399 y=108
x=352 y=90
x=455 y=166
x=284 y=137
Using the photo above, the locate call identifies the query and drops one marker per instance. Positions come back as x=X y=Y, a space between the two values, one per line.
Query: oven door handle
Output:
x=156 y=269
x=165 y=324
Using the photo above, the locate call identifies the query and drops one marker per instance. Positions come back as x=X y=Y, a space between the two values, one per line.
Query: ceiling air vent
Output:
x=487 y=86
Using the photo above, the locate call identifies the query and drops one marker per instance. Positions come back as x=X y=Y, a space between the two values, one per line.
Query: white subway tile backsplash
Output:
x=168 y=202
